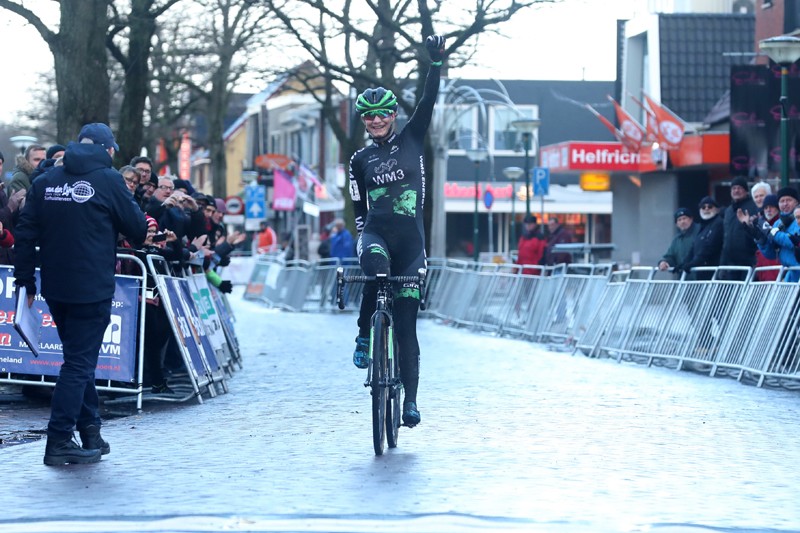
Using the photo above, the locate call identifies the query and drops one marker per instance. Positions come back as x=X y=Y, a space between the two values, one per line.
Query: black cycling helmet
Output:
x=376 y=99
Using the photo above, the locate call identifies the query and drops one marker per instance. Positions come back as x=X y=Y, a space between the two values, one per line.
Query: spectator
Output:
x=156 y=339
x=681 y=245
x=707 y=245
x=148 y=183
x=219 y=224
x=26 y=164
x=267 y=239
x=9 y=211
x=77 y=239
x=759 y=191
x=778 y=243
x=558 y=234
x=56 y=151
x=52 y=158
x=185 y=186
x=341 y=241
x=531 y=245
x=176 y=211
x=143 y=163
x=738 y=247
x=760 y=231
x=131 y=177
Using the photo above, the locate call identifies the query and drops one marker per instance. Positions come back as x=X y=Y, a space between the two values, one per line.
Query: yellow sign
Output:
x=592 y=181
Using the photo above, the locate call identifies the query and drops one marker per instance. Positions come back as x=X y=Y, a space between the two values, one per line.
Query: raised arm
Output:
x=421 y=119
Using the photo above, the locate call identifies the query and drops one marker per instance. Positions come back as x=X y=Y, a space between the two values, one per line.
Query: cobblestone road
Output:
x=513 y=437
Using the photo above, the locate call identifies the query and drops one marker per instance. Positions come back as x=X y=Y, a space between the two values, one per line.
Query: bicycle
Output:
x=383 y=372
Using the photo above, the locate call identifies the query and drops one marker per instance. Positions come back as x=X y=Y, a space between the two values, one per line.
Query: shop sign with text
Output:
x=577 y=156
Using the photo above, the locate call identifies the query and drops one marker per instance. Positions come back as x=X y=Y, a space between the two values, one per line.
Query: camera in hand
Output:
x=159 y=237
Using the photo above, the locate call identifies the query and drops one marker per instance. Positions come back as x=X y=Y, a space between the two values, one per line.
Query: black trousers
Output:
x=75 y=403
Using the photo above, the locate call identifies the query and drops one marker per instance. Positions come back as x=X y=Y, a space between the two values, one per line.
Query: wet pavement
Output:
x=513 y=438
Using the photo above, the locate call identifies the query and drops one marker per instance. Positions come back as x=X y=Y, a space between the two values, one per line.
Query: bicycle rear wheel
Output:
x=394 y=401
x=379 y=381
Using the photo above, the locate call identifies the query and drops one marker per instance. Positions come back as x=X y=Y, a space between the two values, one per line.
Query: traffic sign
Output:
x=234 y=205
x=541 y=181
x=488 y=199
x=255 y=204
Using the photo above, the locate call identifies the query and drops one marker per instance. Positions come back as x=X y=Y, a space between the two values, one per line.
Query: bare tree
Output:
x=211 y=54
x=79 y=51
x=130 y=42
x=372 y=43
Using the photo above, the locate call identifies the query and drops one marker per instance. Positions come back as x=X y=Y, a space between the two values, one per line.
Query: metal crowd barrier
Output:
x=746 y=329
x=199 y=315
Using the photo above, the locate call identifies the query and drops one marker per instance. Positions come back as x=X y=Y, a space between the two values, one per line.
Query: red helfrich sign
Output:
x=578 y=156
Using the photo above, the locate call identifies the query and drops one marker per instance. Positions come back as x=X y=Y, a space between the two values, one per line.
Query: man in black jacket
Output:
x=74 y=213
x=738 y=247
x=707 y=244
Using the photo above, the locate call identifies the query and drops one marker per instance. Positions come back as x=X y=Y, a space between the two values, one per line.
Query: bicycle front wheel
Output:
x=380 y=373
x=393 y=401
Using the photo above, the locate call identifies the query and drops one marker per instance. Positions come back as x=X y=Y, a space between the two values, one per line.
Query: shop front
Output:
x=585 y=214
x=647 y=186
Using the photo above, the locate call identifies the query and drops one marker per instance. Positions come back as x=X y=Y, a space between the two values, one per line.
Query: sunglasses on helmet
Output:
x=383 y=113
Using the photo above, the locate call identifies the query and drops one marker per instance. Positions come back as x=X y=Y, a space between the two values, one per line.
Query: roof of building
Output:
x=696 y=61
x=254 y=101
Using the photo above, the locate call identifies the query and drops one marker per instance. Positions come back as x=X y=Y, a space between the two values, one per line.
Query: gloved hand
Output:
x=225 y=286
x=224 y=261
x=795 y=239
x=435 y=46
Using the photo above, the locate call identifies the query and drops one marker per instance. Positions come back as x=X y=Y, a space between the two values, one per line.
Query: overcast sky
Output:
x=573 y=40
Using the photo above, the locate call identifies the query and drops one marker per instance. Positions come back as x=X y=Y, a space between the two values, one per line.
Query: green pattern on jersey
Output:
x=374 y=194
x=408 y=292
x=406 y=204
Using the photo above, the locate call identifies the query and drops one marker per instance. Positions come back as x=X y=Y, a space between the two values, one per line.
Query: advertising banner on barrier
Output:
x=117 y=360
x=198 y=327
x=208 y=313
x=227 y=320
x=179 y=317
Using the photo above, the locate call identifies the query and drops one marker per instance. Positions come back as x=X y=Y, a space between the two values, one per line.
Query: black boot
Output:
x=61 y=452
x=91 y=439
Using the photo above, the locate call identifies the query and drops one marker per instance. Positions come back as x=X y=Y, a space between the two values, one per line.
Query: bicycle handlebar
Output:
x=341 y=279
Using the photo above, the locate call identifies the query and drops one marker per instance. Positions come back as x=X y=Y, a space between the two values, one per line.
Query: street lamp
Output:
x=527 y=126
x=476 y=155
x=23 y=141
x=783 y=50
x=513 y=173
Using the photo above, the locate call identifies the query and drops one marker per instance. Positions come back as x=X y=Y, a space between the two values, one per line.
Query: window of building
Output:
x=791 y=17
x=504 y=139
x=462 y=128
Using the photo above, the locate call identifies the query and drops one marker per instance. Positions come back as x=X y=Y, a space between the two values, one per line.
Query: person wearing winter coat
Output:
x=707 y=246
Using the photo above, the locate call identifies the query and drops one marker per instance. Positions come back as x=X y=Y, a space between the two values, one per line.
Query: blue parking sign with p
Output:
x=541 y=181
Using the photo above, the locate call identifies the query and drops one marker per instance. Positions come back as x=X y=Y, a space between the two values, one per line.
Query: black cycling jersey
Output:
x=387 y=178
